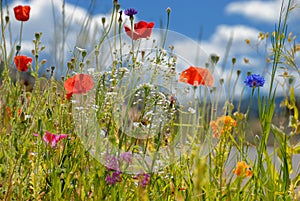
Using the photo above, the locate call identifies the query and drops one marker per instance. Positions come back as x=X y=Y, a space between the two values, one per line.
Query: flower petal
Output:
x=197 y=76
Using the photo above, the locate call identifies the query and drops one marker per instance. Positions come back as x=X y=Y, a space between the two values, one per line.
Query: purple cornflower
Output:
x=112 y=163
x=143 y=179
x=254 y=80
x=113 y=178
x=130 y=12
x=127 y=157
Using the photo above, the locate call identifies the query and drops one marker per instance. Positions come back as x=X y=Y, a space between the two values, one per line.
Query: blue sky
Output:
x=192 y=18
x=216 y=20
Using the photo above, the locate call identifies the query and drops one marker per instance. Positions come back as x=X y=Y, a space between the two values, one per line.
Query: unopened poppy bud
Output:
x=233 y=60
x=37 y=36
x=52 y=68
x=143 y=54
x=7 y=19
x=33 y=52
x=62 y=78
x=69 y=64
x=97 y=52
x=18 y=48
x=115 y=2
x=118 y=7
x=73 y=60
x=103 y=20
x=214 y=58
x=221 y=81
x=168 y=10
x=120 y=18
x=238 y=72
x=81 y=64
x=83 y=53
x=249 y=73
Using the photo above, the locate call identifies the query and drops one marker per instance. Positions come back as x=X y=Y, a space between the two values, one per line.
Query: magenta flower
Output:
x=112 y=162
x=113 y=178
x=143 y=178
x=52 y=139
x=127 y=157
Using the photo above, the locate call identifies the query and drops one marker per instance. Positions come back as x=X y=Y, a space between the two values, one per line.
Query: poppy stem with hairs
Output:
x=20 y=42
x=132 y=43
x=167 y=28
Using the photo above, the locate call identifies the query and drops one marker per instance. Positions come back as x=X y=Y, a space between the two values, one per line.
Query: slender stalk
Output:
x=3 y=37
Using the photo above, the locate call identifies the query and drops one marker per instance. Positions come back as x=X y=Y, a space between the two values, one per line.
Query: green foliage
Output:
x=31 y=169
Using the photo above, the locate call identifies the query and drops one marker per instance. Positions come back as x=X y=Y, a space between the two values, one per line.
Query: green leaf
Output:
x=296 y=148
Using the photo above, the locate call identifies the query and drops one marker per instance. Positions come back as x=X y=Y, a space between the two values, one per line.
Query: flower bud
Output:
x=37 y=36
x=103 y=20
x=43 y=61
x=233 y=60
x=6 y=19
x=168 y=10
x=18 y=48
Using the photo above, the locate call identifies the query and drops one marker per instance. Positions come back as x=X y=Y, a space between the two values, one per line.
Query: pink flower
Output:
x=52 y=139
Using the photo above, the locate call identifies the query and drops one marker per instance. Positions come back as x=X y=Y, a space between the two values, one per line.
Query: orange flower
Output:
x=22 y=62
x=22 y=13
x=222 y=125
x=197 y=76
x=78 y=84
x=142 y=29
x=242 y=169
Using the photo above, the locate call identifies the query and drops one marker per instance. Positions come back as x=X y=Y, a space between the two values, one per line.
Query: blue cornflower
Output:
x=130 y=12
x=254 y=80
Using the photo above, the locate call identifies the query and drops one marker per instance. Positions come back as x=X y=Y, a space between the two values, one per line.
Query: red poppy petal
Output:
x=144 y=29
x=207 y=77
x=83 y=83
x=197 y=76
x=22 y=62
x=69 y=84
x=22 y=13
x=132 y=34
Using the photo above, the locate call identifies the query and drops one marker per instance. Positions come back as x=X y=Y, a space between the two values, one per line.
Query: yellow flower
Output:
x=242 y=169
x=223 y=124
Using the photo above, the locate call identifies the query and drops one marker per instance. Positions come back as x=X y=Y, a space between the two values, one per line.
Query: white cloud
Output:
x=81 y=29
x=262 y=11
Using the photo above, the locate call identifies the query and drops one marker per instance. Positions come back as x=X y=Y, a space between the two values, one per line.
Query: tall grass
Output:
x=139 y=134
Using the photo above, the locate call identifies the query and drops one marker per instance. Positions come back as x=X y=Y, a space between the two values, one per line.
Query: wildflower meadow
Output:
x=124 y=116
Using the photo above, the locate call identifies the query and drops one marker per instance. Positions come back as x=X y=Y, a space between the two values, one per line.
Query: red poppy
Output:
x=78 y=84
x=197 y=76
x=22 y=13
x=142 y=29
x=69 y=95
x=22 y=62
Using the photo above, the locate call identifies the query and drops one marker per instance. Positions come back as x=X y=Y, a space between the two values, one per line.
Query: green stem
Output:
x=109 y=28
x=20 y=42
